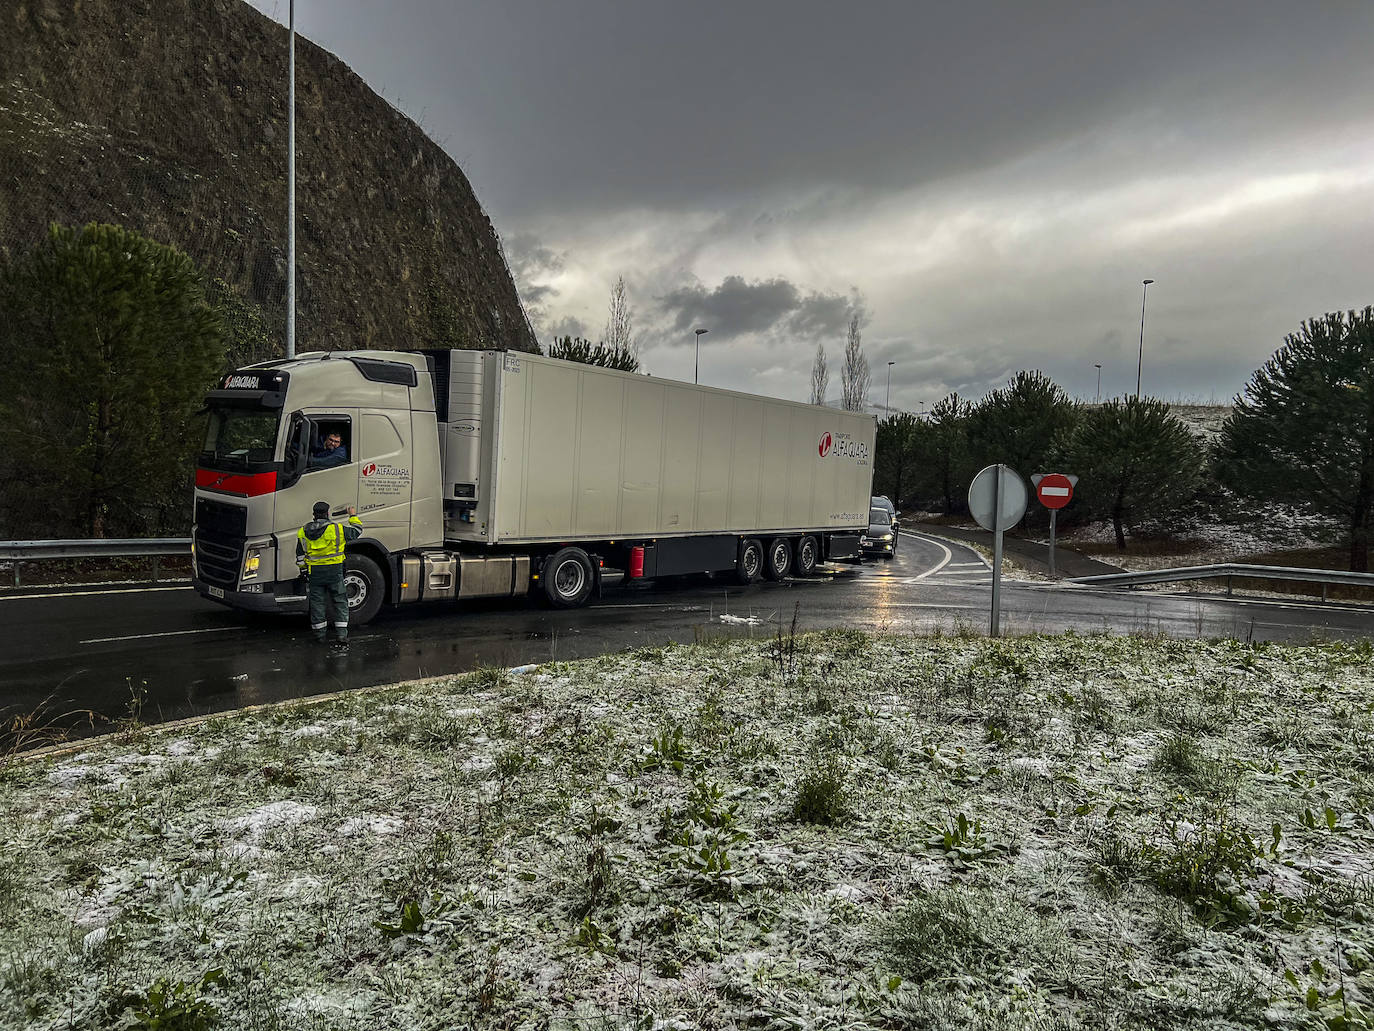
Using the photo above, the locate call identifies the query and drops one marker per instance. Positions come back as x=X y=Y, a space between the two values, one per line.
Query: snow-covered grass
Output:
x=1192 y=541
x=832 y=831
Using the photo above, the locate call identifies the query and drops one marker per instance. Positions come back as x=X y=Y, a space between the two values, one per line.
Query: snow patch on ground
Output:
x=357 y=825
x=726 y=617
x=252 y=826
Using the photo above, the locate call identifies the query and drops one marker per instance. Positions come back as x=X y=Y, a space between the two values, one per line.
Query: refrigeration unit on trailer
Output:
x=491 y=473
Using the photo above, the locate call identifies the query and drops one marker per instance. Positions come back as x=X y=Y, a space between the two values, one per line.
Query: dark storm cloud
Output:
x=567 y=326
x=995 y=177
x=601 y=104
x=739 y=308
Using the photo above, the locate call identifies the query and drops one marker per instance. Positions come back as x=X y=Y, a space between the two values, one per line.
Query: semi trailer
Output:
x=484 y=474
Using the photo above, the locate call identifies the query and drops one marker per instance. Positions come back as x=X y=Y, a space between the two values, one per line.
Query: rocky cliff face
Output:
x=169 y=117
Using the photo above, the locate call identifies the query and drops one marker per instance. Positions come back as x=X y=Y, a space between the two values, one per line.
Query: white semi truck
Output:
x=499 y=473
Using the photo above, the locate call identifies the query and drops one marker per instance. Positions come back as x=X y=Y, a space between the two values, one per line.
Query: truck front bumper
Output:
x=281 y=596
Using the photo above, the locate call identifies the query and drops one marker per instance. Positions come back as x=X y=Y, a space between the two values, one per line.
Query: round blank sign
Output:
x=1011 y=497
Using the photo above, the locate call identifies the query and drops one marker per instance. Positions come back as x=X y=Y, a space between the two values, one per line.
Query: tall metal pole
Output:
x=1098 y=367
x=887 y=404
x=1054 y=515
x=1140 y=358
x=995 y=628
x=696 y=372
x=291 y=193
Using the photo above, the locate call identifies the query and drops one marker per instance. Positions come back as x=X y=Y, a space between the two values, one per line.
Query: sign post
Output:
x=997 y=498
x=1055 y=490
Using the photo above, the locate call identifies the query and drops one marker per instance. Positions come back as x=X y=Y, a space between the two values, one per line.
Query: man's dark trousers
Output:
x=328 y=601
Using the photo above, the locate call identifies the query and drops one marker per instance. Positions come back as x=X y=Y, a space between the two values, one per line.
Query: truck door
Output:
x=385 y=476
x=331 y=477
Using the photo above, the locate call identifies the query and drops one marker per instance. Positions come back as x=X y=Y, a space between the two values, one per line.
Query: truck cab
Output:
x=261 y=470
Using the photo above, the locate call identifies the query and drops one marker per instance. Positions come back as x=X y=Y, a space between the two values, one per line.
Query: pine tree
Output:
x=895 y=455
x=1303 y=430
x=576 y=349
x=1019 y=423
x=947 y=465
x=115 y=345
x=1134 y=461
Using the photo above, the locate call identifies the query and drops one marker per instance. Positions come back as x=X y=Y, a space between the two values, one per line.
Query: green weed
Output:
x=1183 y=759
x=821 y=795
x=668 y=751
x=168 y=1005
x=959 y=932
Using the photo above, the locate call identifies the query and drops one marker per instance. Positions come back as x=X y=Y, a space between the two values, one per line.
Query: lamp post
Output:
x=696 y=372
x=1098 y=367
x=888 y=403
x=1140 y=358
x=291 y=189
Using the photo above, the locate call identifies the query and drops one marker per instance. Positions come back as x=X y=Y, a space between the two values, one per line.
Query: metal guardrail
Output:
x=20 y=552
x=1230 y=570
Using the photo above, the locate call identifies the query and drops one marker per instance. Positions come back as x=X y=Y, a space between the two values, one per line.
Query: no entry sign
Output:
x=1055 y=490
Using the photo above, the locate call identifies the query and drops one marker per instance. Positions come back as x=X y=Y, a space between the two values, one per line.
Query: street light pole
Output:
x=888 y=403
x=291 y=191
x=696 y=372
x=1098 y=367
x=1140 y=358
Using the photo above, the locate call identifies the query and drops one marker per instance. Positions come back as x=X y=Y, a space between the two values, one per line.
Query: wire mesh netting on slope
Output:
x=169 y=118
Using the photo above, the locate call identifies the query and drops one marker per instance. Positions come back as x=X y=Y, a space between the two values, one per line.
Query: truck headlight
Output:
x=251 y=561
x=885 y=537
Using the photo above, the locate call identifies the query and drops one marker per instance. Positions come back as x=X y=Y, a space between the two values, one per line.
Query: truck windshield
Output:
x=240 y=439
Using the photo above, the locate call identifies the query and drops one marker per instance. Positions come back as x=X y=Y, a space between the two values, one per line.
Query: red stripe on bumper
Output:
x=247 y=485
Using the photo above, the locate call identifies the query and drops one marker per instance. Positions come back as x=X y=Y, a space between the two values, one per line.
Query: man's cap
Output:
x=321 y=509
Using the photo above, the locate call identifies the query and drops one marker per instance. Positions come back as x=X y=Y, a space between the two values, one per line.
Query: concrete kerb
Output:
x=72 y=747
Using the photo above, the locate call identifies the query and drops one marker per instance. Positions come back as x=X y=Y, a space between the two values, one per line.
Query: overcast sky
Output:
x=986 y=183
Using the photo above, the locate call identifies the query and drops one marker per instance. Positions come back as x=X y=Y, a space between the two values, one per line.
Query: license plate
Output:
x=215 y=592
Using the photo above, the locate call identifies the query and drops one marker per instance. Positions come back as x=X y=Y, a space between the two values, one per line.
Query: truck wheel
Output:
x=366 y=589
x=779 y=559
x=567 y=578
x=808 y=556
x=750 y=562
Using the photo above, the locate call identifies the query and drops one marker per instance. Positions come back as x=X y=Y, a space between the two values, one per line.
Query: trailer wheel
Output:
x=779 y=559
x=366 y=589
x=750 y=562
x=567 y=578
x=808 y=556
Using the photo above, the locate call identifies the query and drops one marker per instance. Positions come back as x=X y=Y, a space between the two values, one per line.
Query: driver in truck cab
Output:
x=320 y=547
x=329 y=452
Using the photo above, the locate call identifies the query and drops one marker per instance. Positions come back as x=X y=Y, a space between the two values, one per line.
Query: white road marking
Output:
x=166 y=633
x=82 y=594
x=949 y=556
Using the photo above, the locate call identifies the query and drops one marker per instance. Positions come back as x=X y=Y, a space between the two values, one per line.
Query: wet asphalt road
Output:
x=89 y=648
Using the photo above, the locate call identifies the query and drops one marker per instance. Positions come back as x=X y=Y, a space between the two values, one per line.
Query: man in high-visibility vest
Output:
x=320 y=555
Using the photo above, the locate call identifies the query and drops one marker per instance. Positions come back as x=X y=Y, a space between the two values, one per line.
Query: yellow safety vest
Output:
x=327 y=550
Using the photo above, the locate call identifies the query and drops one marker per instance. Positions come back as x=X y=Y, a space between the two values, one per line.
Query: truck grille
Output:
x=220 y=531
x=221 y=520
x=218 y=558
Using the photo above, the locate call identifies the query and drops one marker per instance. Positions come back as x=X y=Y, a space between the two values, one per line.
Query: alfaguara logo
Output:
x=842 y=446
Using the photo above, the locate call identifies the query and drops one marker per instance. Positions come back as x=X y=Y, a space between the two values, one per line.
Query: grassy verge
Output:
x=831 y=831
